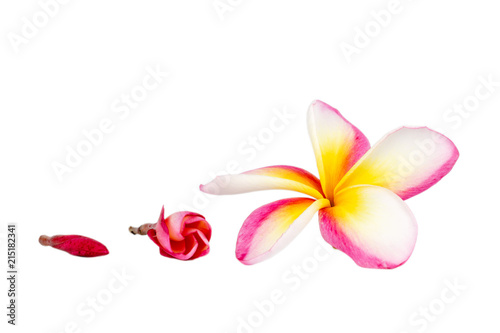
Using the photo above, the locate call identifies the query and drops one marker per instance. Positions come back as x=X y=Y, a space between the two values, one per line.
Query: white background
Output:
x=226 y=76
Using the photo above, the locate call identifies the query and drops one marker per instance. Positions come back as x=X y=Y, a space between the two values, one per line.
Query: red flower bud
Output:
x=76 y=245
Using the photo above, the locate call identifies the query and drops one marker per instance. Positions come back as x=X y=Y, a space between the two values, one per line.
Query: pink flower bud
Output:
x=76 y=245
x=182 y=235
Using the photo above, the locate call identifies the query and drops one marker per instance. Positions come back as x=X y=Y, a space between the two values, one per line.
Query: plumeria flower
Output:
x=359 y=195
x=182 y=235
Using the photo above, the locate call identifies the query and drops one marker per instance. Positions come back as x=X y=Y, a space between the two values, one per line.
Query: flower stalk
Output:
x=142 y=230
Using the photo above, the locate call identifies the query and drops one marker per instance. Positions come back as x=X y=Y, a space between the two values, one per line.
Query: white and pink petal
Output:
x=272 y=227
x=372 y=225
x=407 y=161
x=337 y=144
x=279 y=177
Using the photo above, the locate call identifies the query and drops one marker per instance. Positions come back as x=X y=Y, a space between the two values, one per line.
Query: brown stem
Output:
x=45 y=240
x=142 y=230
